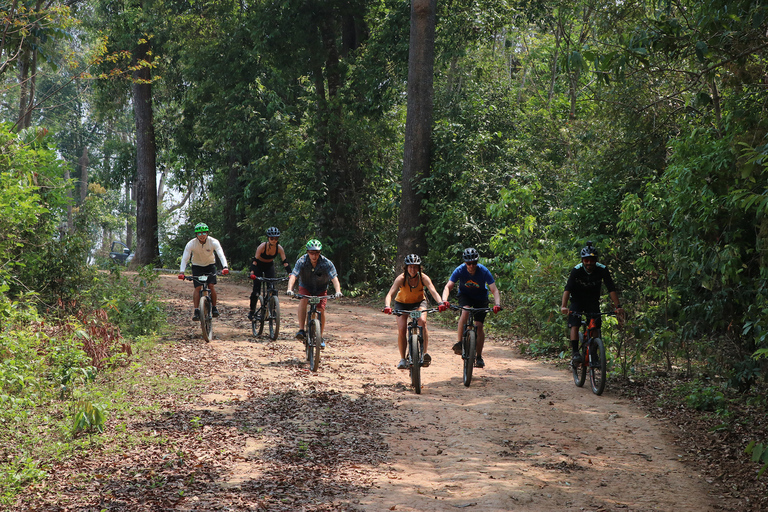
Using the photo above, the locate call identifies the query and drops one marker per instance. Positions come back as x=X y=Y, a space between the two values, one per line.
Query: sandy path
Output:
x=522 y=437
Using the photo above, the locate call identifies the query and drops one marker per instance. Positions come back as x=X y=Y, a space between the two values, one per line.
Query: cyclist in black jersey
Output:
x=583 y=290
x=263 y=264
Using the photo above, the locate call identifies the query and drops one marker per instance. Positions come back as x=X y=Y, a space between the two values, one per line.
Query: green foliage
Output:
x=88 y=417
x=759 y=453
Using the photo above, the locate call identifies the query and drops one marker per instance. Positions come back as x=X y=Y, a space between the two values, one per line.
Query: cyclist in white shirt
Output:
x=200 y=250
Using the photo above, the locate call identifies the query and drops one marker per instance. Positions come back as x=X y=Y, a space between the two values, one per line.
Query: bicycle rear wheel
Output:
x=597 y=366
x=415 y=351
x=580 y=370
x=470 y=349
x=314 y=340
x=206 y=320
x=273 y=312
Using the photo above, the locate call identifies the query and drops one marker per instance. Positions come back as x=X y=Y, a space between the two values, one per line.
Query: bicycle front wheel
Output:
x=597 y=366
x=206 y=320
x=415 y=350
x=470 y=350
x=314 y=339
x=273 y=317
x=257 y=324
x=580 y=370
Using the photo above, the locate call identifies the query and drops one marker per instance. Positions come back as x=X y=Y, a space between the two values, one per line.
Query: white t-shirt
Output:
x=202 y=254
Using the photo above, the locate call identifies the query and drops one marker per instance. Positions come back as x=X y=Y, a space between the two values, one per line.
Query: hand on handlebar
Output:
x=445 y=305
x=252 y=276
x=225 y=271
x=564 y=310
x=290 y=293
x=387 y=310
x=181 y=276
x=496 y=309
x=338 y=295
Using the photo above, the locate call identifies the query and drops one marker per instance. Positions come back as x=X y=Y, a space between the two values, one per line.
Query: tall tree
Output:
x=411 y=235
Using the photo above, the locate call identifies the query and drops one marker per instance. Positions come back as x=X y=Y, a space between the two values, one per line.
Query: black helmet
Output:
x=412 y=259
x=273 y=232
x=470 y=254
x=589 y=251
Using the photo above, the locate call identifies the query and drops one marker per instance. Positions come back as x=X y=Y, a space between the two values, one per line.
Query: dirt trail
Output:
x=522 y=437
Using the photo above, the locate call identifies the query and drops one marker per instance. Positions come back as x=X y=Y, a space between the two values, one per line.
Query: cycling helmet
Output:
x=314 y=245
x=273 y=232
x=412 y=259
x=201 y=227
x=589 y=251
x=470 y=254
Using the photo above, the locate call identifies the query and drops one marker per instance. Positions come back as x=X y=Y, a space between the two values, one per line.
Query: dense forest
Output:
x=639 y=125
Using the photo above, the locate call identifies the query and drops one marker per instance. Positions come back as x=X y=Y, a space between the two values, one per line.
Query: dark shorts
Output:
x=262 y=271
x=411 y=307
x=473 y=303
x=201 y=271
x=321 y=306
x=575 y=320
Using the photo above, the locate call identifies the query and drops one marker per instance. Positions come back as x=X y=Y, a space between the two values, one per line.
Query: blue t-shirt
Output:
x=473 y=286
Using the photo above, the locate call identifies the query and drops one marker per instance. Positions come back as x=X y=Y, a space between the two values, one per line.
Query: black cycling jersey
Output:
x=585 y=288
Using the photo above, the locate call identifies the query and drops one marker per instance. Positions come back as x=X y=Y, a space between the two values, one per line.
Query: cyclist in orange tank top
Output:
x=410 y=286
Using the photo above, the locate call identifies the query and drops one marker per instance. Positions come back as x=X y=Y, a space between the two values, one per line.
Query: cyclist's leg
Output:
x=479 y=326
x=321 y=310
x=402 y=328
x=196 y=296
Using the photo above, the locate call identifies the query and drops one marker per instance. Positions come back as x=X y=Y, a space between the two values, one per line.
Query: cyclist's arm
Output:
x=291 y=281
x=336 y=284
x=286 y=265
x=431 y=287
x=185 y=257
x=392 y=291
x=447 y=290
x=496 y=295
x=220 y=252
x=564 y=303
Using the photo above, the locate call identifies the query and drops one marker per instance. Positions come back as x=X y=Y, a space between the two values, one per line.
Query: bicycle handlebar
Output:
x=400 y=312
x=584 y=313
x=260 y=278
x=192 y=278
x=300 y=296
x=472 y=309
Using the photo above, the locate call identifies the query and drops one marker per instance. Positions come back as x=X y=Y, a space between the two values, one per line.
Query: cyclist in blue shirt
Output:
x=475 y=280
x=583 y=290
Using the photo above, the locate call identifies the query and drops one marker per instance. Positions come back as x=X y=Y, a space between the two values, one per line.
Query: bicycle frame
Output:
x=592 y=350
x=205 y=304
x=313 y=325
x=414 y=347
x=469 y=341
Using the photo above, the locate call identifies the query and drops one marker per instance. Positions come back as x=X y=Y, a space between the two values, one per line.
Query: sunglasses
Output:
x=313 y=252
x=471 y=263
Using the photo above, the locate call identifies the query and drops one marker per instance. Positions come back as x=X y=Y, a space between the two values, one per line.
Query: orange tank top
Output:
x=408 y=294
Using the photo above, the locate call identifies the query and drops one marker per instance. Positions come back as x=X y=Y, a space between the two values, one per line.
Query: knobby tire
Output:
x=206 y=323
x=415 y=350
x=470 y=350
x=315 y=338
x=274 y=317
x=580 y=370
x=597 y=366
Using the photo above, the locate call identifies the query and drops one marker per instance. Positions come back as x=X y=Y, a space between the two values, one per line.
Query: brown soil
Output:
x=262 y=432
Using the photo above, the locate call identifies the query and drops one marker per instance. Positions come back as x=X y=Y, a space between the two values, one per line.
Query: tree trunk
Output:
x=411 y=235
x=130 y=196
x=147 y=245
x=83 y=163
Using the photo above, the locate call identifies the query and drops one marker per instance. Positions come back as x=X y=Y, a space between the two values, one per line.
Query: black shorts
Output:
x=201 y=271
x=468 y=302
x=411 y=307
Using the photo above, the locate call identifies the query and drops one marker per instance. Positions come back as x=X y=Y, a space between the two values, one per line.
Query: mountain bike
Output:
x=415 y=345
x=205 y=305
x=469 y=341
x=267 y=307
x=592 y=351
x=313 y=339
